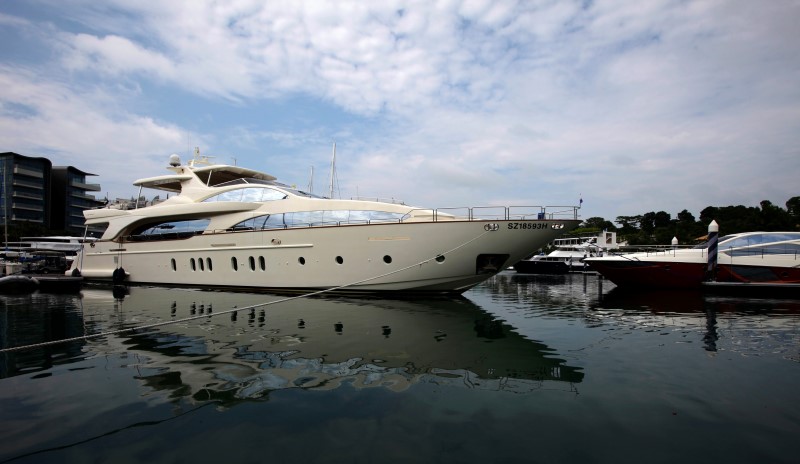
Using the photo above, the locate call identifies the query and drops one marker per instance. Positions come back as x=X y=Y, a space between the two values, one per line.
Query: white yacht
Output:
x=232 y=227
x=569 y=254
x=66 y=244
x=48 y=254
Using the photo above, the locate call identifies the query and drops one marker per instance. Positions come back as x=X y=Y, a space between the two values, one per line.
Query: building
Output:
x=33 y=191
x=70 y=197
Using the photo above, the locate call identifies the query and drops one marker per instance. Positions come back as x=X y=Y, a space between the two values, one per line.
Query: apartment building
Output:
x=33 y=190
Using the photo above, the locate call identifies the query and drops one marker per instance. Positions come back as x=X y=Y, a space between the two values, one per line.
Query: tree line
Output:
x=659 y=228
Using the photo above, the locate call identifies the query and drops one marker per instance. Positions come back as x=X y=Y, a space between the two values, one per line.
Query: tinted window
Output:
x=248 y=194
x=171 y=230
x=316 y=218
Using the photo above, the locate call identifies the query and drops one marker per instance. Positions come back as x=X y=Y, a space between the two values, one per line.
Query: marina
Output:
x=520 y=368
x=559 y=232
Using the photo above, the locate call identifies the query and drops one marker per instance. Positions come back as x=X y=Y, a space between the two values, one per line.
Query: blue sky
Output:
x=635 y=106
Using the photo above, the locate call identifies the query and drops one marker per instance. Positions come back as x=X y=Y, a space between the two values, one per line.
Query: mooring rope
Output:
x=232 y=310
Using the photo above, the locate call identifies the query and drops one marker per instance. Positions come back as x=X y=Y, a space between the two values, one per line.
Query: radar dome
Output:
x=174 y=160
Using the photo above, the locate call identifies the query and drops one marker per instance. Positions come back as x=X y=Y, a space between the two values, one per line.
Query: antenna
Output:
x=311 y=181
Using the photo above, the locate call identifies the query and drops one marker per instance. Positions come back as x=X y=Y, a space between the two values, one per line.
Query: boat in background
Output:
x=766 y=258
x=233 y=227
x=569 y=254
x=55 y=245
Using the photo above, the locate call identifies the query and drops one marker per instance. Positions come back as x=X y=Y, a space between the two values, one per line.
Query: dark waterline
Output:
x=522 y=369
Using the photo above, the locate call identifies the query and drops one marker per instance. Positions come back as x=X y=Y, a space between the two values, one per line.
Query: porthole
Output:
x=262 y=262
x=252 y=263
x=439 y=258
x=173 y=264
x=387 y=259
x=234 y=263
x=301 y=260
x=202 y=265
x=208 y=264
x=339 y=260
x=193 y=264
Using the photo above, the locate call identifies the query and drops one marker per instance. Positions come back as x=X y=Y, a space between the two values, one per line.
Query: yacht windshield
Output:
x=248 y=194
x=284 y=187
x=759 y=239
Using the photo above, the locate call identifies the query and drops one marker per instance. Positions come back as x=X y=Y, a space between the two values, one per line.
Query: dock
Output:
x=46 y=283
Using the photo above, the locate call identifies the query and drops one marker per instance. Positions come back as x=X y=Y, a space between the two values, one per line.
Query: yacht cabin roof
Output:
x=210 y=175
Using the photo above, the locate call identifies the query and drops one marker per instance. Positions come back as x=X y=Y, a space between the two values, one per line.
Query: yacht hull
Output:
x=424 y=257
x=759 y=273
x=651 y=274
x=686 y=274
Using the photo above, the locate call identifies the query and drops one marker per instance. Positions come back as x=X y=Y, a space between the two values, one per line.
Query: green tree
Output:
x=648 y=223
x=628 y=224
x=685 y=217
x=598 y=224
x=793 y=208
x=687 y=229
x=775 y=218
x=662 y=219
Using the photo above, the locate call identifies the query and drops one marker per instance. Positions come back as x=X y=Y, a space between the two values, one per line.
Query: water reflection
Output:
x=308 y=343
x=33 y=318
x=325 y=371
x=744 y=325
x=557 y=291
x=750 y=325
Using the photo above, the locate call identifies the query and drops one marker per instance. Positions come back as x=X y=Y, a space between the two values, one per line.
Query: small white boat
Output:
x=232 y=227
x=569 y=254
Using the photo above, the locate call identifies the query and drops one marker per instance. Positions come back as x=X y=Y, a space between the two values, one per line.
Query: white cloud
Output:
x=117 y=56
x=44 y=117
x=639 y=106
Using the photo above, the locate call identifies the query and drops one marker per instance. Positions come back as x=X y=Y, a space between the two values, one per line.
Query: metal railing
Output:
x=475 y=213
x=728 y=253
x=499 y=213
x=394 y=201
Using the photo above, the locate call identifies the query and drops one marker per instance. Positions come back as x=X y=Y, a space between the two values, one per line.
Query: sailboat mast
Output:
x=5 y=204
x=333 y=170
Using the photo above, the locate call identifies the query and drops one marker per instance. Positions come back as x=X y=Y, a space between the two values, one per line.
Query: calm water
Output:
x=521 y=369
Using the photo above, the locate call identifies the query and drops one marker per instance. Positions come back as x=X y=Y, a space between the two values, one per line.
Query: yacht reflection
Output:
x=685 y=307
x=568 y=291
x=695 y=301
x=656 y=301
x=326 y=343
x=34 y=318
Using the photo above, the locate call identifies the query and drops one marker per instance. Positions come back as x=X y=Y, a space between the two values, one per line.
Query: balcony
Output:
x=27 y=172
x=85 y=186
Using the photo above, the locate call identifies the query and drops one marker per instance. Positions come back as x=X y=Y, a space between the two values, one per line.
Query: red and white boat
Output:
x=752 y=257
